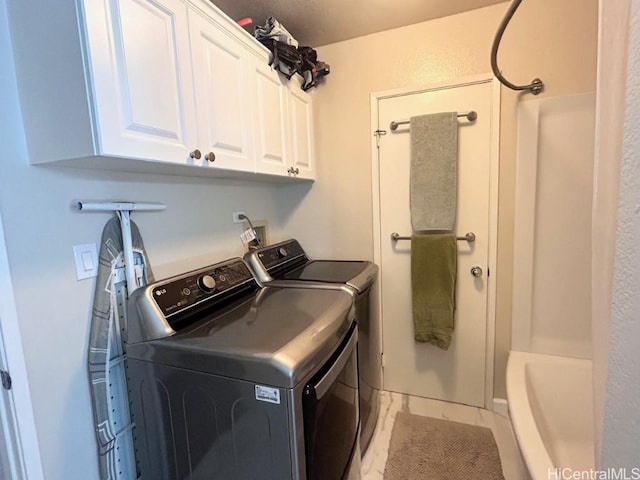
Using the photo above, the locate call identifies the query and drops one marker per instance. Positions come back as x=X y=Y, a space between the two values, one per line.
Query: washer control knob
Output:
x=207 y=283
x=282 y=252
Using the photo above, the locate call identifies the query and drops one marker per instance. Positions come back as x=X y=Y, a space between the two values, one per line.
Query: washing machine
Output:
x=231 y=380
x=286 y=264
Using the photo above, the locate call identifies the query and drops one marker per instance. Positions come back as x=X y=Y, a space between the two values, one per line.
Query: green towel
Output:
x=434 y=264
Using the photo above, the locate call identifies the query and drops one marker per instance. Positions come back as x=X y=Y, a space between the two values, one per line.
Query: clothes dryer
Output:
x=228 y=379
x=286 y=264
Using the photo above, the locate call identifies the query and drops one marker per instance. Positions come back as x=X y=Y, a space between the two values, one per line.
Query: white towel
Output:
x=434 y=165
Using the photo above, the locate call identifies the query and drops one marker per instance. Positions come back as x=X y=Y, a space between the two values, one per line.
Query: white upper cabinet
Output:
x=301 y=127
x=223 y=96
x=284 y=125
x=140 y=70
x=159 y=86
x=271 y=120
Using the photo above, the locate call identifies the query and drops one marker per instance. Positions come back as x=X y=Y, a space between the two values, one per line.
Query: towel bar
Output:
x=471 y=116
x=469 y=237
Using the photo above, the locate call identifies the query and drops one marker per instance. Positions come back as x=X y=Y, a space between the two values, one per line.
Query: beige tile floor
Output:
x=374 y=460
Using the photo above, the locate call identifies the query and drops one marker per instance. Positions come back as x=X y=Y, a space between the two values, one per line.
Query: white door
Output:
x=458 y=374
x=223 y=96
x=19 y=451
x=11 y=460
x=301 y=120
x=140 y=64
x=272 y=120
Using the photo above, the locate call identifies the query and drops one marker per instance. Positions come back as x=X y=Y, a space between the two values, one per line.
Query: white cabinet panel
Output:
x=140 y=65
x=301 y=120
x=271 y=125
x=148 y=38
x=222 y=95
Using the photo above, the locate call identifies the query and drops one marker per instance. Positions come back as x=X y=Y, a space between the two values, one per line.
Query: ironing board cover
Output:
x=107 y=352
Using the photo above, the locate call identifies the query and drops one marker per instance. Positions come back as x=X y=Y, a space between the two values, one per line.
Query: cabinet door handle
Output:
x=211 y=157
x=195 y=154
x=290 y=170
x=296 y=171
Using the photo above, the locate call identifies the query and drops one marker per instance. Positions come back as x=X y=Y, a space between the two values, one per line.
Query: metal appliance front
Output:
x=331 y=414
x=221 y=396
x=286 y=264
x=317 y=422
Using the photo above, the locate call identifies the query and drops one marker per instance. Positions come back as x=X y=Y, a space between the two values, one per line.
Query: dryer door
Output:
x=331 y=414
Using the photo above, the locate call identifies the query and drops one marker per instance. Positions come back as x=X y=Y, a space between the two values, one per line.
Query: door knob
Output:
x=195 y=154
x=476 y=271
x=210 y=157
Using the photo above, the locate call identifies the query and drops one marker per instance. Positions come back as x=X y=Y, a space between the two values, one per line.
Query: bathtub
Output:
x=551 y=409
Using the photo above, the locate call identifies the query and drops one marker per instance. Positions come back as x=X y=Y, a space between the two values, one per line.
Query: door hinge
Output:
x=6 y=379
x=382 y=359
x=378 y=133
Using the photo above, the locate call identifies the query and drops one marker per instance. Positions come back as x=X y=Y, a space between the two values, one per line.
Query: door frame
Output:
x=25 y=450
x=375 y=97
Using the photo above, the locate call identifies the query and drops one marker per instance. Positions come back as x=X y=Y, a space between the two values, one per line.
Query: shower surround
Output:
x=549 y=372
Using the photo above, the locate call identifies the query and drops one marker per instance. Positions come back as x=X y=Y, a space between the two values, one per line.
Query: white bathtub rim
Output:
x=524 y=425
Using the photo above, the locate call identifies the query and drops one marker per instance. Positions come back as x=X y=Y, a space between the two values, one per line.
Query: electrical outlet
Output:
x=236 y=217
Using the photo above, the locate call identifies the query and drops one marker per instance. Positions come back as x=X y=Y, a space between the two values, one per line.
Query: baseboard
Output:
x=501 y=407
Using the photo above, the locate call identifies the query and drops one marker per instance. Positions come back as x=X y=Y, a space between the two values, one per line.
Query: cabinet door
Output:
x=271 y=120
x=139 y=65
x=301 y=128
x=222 y=90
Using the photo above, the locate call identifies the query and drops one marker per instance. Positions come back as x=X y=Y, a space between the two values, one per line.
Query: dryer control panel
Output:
x=275 y=255
x=156 y=310
x=177 y=295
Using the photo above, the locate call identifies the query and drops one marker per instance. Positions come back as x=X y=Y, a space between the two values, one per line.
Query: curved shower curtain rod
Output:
x=536 y=86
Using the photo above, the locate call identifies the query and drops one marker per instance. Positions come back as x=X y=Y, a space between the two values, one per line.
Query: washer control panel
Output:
x=190 y=289
x=276 y=255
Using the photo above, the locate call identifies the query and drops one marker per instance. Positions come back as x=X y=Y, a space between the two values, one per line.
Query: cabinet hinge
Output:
x=382 y=359
x=6 y=379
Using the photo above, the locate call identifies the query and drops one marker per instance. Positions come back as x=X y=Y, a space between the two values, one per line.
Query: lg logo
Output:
x=161 y=291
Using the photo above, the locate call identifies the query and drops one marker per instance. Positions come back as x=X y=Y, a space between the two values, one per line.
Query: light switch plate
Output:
x=86 y=257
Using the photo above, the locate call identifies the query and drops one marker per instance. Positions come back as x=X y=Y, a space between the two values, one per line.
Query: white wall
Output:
x=612 y=62
x=53 y=308
x=621 y=427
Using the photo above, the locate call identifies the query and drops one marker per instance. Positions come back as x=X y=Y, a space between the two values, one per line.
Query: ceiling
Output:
x=320 y=22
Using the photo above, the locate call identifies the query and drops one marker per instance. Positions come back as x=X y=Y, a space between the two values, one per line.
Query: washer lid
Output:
x=288 y=261
x=277 y=337
x=358 y=274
